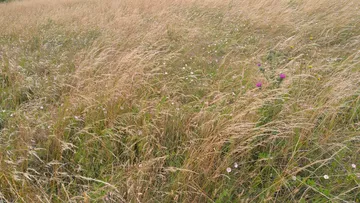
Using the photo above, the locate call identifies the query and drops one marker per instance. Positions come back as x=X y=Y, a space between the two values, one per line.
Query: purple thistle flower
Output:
x=259 y=64
x=259 y=84
x=282 y=76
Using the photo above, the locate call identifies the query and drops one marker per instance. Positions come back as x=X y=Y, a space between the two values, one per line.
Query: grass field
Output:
x=180 y=101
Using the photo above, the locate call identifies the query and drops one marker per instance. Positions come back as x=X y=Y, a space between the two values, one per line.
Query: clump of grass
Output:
x=181 y=101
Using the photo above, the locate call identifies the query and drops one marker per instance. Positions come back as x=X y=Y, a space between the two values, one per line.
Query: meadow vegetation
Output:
x=160 y=101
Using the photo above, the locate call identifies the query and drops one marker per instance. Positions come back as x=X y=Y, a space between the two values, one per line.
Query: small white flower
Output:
x=192 y=73
x=183 y=68
x=3 y=111
x=172 y=103
x=293 y=178
x=76 y=117
x=166 y=73
x=326 y=177
x=353 y=166
x=236 y=165
x=228 y=169
x=41 y=107
x=11 y=115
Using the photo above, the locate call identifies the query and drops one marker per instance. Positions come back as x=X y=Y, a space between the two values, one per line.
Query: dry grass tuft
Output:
x=155 y=101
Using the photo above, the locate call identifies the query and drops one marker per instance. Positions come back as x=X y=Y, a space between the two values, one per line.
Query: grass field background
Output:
x=157 y=101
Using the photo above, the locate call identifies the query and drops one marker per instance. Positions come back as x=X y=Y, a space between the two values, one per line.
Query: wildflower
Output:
x=326 y=177
x=310 y=66
x=311 y=38
x=353 y=166
x=236 y=165
x=259 y=64
x=259 y=84
x=228 y=169
x=282 y=76
x=166 y=73
x=293 y=178
x=41 y=107
x=191 y=73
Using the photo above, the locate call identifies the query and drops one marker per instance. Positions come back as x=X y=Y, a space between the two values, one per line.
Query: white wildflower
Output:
x=326 y=177
x=353 y=166
x=228 y=169
x=236 y=165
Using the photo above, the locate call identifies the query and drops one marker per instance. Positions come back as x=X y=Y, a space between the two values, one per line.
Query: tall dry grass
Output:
x=153 y=101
